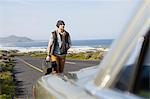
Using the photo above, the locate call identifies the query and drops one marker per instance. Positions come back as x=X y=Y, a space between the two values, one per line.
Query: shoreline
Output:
x=74 y=49
x=77 y=52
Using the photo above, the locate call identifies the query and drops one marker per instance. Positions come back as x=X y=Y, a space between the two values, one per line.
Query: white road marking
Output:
x=70 y=62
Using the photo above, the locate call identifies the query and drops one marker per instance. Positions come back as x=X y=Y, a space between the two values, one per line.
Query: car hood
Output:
x=62 y=87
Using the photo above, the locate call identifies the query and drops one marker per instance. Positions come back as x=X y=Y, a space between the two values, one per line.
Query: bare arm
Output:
x=50 y=44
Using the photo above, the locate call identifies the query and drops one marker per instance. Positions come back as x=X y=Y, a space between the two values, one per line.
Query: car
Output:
x=124 y=73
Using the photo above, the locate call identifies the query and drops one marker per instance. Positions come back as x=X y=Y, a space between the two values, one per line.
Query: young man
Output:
x=58 y=45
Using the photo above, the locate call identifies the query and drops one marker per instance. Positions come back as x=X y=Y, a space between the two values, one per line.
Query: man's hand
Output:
x=48 y=58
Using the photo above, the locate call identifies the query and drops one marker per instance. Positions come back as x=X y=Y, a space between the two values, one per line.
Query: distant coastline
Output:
x=43 y=43
x=24 y=44
x=81 y=49
x=14 y=39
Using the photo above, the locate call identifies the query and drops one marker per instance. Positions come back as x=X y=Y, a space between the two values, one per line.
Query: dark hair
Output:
x=60 y=22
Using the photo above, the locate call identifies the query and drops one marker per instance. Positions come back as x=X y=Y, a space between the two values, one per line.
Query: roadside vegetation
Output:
x=86 y=55
x=7 y=83
x=98 y=55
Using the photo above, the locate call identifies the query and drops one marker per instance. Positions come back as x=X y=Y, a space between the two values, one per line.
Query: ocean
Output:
x=44 y=43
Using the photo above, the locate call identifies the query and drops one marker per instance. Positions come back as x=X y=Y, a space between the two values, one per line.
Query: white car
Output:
x=123 y=74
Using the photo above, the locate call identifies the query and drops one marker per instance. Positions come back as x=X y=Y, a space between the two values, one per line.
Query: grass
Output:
x=4 y=96
x=6 y=66
x=86 y=56
x=79 y=56
x=7 y=84
x=144 y=93
x=6 y=76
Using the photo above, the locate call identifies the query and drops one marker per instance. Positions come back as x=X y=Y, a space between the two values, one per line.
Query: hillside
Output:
x=13 y=39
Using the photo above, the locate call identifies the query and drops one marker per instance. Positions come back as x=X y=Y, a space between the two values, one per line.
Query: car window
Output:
x=124 y=77
x=143 y=81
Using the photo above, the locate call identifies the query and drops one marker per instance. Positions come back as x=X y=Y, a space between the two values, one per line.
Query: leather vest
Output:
x=64 y=43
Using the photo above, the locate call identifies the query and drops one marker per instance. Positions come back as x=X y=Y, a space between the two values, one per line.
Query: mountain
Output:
x=14 y=39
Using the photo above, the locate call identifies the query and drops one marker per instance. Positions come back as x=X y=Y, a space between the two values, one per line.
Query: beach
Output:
x=74 y=49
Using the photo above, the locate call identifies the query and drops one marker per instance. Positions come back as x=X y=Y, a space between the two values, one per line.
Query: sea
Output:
x=43 y=44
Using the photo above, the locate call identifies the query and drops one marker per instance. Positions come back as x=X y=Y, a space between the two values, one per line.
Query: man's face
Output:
x=62 y=26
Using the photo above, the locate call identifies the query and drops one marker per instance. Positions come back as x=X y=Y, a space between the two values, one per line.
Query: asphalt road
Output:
x=28 y=70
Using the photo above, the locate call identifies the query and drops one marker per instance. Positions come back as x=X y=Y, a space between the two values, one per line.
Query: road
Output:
x=27 y=71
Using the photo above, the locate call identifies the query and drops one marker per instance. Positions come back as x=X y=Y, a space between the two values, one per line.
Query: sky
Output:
x=84 y=19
